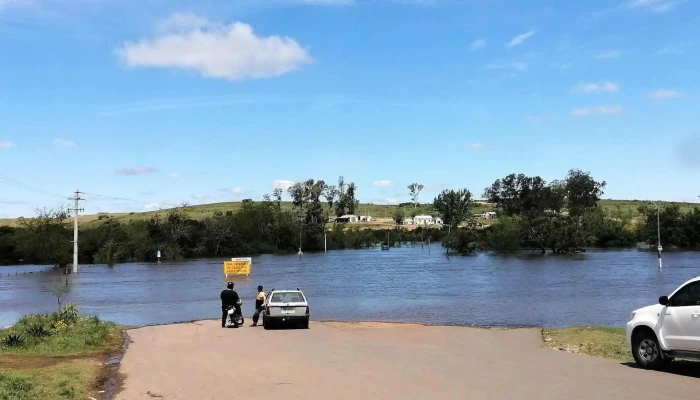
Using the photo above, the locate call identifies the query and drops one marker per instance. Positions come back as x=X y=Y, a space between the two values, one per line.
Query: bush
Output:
x=39 y=331
x=13 y=340
x=68 y=313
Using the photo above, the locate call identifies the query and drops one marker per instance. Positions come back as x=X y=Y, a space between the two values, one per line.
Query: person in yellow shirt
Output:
x=259 y=301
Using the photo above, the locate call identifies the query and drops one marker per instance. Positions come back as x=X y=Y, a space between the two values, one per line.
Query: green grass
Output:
x=55 y=356
x=629 y=207
x=69 y=380
x=595 y=341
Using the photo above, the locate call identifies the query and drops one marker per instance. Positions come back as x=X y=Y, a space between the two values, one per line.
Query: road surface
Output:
x=373 y=361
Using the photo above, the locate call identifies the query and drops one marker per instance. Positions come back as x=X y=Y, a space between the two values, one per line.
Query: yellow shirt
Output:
x=261 y=296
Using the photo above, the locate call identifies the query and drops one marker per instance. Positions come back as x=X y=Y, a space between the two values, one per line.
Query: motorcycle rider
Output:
x=259 y=301
x=229 y=297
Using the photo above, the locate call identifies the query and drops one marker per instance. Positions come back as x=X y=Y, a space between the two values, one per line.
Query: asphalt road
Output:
x=374 y=361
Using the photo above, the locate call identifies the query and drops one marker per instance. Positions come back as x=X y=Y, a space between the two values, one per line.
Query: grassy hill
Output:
x=377 y=211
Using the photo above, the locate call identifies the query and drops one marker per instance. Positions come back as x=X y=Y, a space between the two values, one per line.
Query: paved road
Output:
x=374 y=361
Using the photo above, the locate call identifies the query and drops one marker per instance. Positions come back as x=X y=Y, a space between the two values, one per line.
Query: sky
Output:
x=143 y=104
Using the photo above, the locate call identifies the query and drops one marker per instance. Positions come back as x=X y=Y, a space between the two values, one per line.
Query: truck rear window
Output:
x=289 y=297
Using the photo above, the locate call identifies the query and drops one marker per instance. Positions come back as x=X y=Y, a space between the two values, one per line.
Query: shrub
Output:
x=13 y=340
x=38 y=331
x=68 y=314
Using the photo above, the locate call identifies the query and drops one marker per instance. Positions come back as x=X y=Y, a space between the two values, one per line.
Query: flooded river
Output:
x=404 y=284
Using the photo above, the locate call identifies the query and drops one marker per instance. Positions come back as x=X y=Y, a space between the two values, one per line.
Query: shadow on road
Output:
x=679 y=367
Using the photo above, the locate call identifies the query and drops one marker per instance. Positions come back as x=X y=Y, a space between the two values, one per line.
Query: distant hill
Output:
x=377 y=211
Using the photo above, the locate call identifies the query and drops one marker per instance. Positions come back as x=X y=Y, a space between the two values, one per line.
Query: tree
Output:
x=582 y=192
x=453 y=207
x=346 y=204
x=60 y=290
x=399 y=216
x=47 y=237
x=306 y=200
x=414 y=190
x=330 y=193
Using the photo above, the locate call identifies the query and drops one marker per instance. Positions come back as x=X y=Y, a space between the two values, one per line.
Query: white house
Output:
x=347 y=219
x=423 y=220
x=438 y=221
x=365 y=218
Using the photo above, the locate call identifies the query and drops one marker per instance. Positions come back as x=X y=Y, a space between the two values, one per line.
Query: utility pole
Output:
x=76 y=210
x=658 y=236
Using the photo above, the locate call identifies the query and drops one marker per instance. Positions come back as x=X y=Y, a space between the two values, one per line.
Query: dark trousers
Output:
x=224 y=314
x=256 y=316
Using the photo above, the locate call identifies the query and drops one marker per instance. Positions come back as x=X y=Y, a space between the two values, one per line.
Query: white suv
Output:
x=667 y=330
x=285 y=306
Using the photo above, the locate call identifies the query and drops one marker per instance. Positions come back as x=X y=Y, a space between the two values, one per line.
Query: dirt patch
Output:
x=16 y=362
x=374 y=325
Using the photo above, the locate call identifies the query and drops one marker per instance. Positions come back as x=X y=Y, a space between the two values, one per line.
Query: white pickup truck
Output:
x=285 y=306
x=671 y=329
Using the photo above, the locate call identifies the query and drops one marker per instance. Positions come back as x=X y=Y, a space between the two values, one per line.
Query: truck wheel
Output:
x=267 y=325
x=305 y=324
x=646 y=351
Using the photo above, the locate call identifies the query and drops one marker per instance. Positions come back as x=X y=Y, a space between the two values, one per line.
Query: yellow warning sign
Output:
x=237 y=266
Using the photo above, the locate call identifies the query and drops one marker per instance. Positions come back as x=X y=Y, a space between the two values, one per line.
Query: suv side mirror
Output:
x=663 y=300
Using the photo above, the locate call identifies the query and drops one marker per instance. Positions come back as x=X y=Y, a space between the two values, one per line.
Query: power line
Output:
x=126 y=199
x=23 y=186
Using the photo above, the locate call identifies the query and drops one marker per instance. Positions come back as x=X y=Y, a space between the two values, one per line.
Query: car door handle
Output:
x=695 y=315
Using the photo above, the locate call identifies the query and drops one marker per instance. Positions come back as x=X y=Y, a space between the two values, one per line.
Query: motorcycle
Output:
x=235 y=318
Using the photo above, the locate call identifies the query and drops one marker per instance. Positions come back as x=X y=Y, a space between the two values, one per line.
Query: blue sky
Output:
x=168 y=101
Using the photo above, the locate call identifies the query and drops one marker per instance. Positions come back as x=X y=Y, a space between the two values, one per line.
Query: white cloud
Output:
x=173 y=175
x=476 y=145
x=433 y=186
x=563 y=66
x=596 y=110
x=602 y=87
x=63 y=143
x=608 y=54
x=664 y=94
x=136 y=170
x=6 y=144
x=383 y=183
x=282 y=184
x=676 y=48
x=657 y=6
x=519 y=66
x=215 y=50
x=477 y=44
x=151 y=206
x=520 y=39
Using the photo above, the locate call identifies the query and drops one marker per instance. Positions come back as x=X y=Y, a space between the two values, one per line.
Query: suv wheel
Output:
x=646 y=351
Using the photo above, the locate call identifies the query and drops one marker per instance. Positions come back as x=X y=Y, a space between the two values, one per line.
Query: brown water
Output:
x=403 y=284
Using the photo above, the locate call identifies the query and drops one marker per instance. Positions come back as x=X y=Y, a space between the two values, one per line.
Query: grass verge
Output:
x=595 y=341
x=56 y=356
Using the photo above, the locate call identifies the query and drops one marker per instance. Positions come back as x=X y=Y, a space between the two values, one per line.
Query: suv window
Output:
x=287 y=297
x=688 y=296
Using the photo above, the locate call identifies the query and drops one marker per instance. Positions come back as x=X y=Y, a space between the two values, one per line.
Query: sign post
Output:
x=238 y=266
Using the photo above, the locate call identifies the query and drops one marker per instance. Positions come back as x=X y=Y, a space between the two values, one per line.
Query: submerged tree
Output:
x=454 y=207
x=47 y=237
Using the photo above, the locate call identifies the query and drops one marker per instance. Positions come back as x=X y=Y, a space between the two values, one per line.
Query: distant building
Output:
x=408 y=221
x=486 y=215
x=346 y=219
x=426 y=220
x=365 y=218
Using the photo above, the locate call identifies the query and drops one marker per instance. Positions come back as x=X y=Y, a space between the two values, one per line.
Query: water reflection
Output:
x=404 y=284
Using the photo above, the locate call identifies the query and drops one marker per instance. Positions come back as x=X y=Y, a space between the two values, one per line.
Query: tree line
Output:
x=561 y=216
